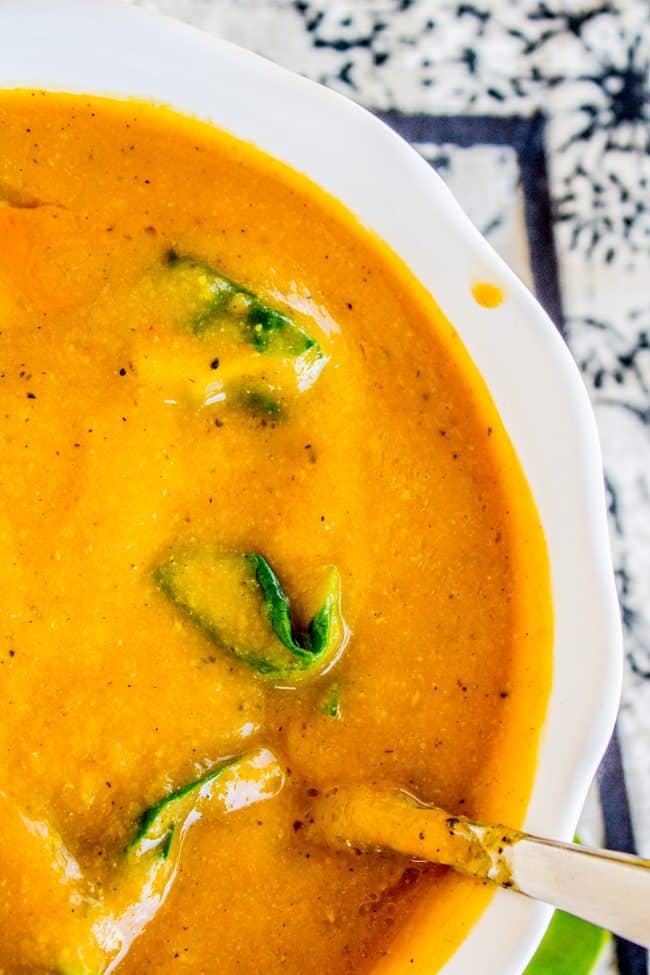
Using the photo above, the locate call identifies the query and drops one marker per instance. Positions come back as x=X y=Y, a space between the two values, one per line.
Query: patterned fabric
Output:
x=527 y=91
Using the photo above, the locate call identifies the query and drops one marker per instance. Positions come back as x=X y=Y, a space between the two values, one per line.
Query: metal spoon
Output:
x=609 y=889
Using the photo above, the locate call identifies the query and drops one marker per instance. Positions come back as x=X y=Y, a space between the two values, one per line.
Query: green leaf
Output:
x=330 y=702
x=237 y=600
x=276 y=602
x=323 y=627
x=259 y=400
x=207 y=296
x=569 y=947
x=142 y=876
x=212 y=300
x=158 y=824
x=274 y=333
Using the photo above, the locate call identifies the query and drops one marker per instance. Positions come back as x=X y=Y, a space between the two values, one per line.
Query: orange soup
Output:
x=262 y=533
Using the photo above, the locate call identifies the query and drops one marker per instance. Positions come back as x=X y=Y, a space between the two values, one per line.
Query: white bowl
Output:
x=100 y=47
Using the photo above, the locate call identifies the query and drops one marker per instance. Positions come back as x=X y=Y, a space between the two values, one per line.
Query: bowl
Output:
x=107 y=48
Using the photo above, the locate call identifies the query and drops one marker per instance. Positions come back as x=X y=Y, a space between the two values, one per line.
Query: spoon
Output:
x=609 y=889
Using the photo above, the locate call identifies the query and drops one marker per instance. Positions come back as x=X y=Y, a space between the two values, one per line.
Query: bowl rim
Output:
x=53 y=45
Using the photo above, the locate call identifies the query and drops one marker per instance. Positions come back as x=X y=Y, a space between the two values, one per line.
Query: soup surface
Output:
x=262 y=533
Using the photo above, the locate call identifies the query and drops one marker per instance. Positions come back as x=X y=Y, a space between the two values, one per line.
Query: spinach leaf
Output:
x=260 y=400
x=330 y=702
x=142 y=876
x=212 y=300
x=237 y=600
x=157 y=825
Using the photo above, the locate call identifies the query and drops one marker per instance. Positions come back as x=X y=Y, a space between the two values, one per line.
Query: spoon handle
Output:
x=610 y=889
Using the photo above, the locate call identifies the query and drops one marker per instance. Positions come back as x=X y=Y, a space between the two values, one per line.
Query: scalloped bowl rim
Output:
x=534 y=383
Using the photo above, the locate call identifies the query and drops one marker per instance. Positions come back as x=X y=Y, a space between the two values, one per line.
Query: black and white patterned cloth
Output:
x=551 y=98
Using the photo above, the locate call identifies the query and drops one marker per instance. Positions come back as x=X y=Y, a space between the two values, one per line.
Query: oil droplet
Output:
x=487 y=295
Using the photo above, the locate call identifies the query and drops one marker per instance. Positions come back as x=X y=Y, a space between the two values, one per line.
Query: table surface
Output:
x=550 y=99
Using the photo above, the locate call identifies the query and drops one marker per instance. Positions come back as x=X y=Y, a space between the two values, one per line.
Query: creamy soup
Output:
x=262 y=533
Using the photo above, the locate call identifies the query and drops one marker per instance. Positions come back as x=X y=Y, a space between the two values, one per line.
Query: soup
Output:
x=262 y=533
